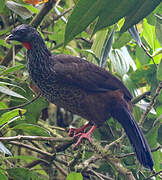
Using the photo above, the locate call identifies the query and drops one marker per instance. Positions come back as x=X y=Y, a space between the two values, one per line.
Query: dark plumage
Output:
x=81 y=88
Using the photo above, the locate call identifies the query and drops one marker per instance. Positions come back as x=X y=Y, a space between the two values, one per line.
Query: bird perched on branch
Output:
x=81 y=88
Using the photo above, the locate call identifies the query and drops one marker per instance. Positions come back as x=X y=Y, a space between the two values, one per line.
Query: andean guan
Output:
x=81 y=88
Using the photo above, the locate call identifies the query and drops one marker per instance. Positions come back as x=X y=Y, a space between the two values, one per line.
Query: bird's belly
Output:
x=70 y=98
x=87 y=105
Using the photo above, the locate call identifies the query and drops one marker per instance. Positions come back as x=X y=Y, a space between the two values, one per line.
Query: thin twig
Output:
x=152 y=102
x=154 y=175
x=62 y=14
x=96 y=174
x=149 y=55
x=133 y=154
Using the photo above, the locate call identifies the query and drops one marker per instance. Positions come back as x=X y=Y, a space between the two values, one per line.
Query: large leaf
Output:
x=113 y=12
x=108 y=13
x=19 y=9
x=119 y=62
x=141 y=10
x=106 y=48
x=83 y=14
x=98 y=44
x=150 y=36
x=158 y=29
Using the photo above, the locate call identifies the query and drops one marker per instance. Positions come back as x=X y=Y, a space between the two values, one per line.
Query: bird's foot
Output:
x=86 y=135
x=75 y=131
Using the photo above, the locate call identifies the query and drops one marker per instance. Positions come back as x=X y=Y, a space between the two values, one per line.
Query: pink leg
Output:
x=74 y=131
x=85 y=135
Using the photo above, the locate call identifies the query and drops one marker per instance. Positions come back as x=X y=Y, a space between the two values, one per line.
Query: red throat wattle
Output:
x=26 y=45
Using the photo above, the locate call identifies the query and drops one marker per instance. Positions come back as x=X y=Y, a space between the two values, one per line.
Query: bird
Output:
x=81 y=88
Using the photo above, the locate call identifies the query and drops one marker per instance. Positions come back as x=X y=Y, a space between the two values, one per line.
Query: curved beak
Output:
x=9 y=38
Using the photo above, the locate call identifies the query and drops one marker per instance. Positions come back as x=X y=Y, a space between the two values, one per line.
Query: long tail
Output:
x=135 y=135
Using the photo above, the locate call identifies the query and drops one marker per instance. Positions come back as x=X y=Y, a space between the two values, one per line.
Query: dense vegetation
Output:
x=34 y=140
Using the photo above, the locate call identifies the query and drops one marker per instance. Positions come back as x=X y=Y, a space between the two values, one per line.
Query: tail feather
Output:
x=135 y=136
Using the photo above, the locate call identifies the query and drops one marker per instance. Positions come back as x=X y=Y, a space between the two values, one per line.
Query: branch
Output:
x=62 y=171
x=101 y=176
x=140 y=97
x=35 y=138
x=31 y=148
x=113 y=161
x=35 y=22
x=152 y=102
x=115 y=142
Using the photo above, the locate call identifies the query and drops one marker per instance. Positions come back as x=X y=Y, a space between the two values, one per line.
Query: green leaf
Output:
x=4 y=44
x=26 y=158
x=145 y=74
x=98 y=44
x=3 y=105
x=2 y=5
x=2 y=175
x=142 y=56
x=74 y=176
x=106 y=48
x=19 y=9
x=140 y=10
x=9 y=92
x=152 y=140
x=12 y=69
x=31 y=129
x=159 y=71
x=122 y=40
x=135 y=35
x=113 y=12
x=83 y=14
x=6 y=117
x=150 y=36
x=31 y=8
x=158 y=28
x=19 y=173
x=119 y=62
x=9 y=84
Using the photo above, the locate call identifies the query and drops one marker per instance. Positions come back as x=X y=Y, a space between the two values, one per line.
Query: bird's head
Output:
x=23 y=33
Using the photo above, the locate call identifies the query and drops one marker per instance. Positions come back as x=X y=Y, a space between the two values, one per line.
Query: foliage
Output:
x=103 y=32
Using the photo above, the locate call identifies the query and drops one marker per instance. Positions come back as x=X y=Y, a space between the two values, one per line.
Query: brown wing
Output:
x=81 y=73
